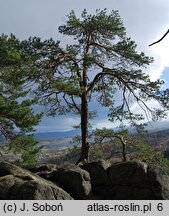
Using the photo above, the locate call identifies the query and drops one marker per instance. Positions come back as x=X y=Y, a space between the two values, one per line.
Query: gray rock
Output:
x=6 y=183
x=132 y=180
x=97 y=170
x=130 y=173
x=159 y=180
x=74 y=180
x=42 y=168
x=19 y=184
x=99 y=179
x=136 y=181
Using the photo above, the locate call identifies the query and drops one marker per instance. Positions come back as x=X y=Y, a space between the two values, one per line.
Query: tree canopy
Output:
x=16 y=112
x=16 y=108
x=99 y=62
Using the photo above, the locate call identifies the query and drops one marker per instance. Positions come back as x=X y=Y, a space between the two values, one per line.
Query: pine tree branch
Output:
x=75 y=105
x=160 y=38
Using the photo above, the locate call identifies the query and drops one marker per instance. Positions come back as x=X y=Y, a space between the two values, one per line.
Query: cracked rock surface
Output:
x=20 y=184
x=132 y=180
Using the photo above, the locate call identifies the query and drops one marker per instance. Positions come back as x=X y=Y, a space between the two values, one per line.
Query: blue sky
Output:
x=165 y=77
x=145 y=22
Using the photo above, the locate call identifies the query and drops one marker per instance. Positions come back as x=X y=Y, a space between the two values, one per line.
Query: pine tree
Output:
x=16 y=111
x=99 y=61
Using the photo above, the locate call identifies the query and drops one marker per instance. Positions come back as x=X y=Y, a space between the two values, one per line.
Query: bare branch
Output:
x=160 y=38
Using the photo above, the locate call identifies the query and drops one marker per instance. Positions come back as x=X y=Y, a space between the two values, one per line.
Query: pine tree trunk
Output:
x=84 y=158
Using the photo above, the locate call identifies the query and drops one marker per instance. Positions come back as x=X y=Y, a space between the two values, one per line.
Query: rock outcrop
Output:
x=159 y=181
x=132 y=180
x=99 y=179
x=74 y=180
x=20 y=184
x=128 y=180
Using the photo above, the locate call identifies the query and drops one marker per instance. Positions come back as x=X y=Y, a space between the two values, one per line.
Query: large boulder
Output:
x=19 y=184
x=131 y=173
x=159 y=180
x=97 y=170
x=74 y=180
x=136 y=181
x=99 y=179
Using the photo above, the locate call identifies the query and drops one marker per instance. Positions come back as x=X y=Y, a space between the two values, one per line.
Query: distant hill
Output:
x=151 y=126
x=56 y=135
x=157 y=126
x=155 y=136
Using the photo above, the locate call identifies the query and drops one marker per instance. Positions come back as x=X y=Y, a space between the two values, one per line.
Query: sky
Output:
x=145 y=20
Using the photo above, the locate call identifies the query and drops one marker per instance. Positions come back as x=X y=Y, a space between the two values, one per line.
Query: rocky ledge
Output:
x=132 y=180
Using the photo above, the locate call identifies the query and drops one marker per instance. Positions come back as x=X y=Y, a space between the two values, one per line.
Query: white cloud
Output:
x=58 y=123
x=101 y=123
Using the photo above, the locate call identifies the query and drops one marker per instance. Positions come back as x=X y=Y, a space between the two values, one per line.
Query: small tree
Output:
x=99 y=62
x=121 y=137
